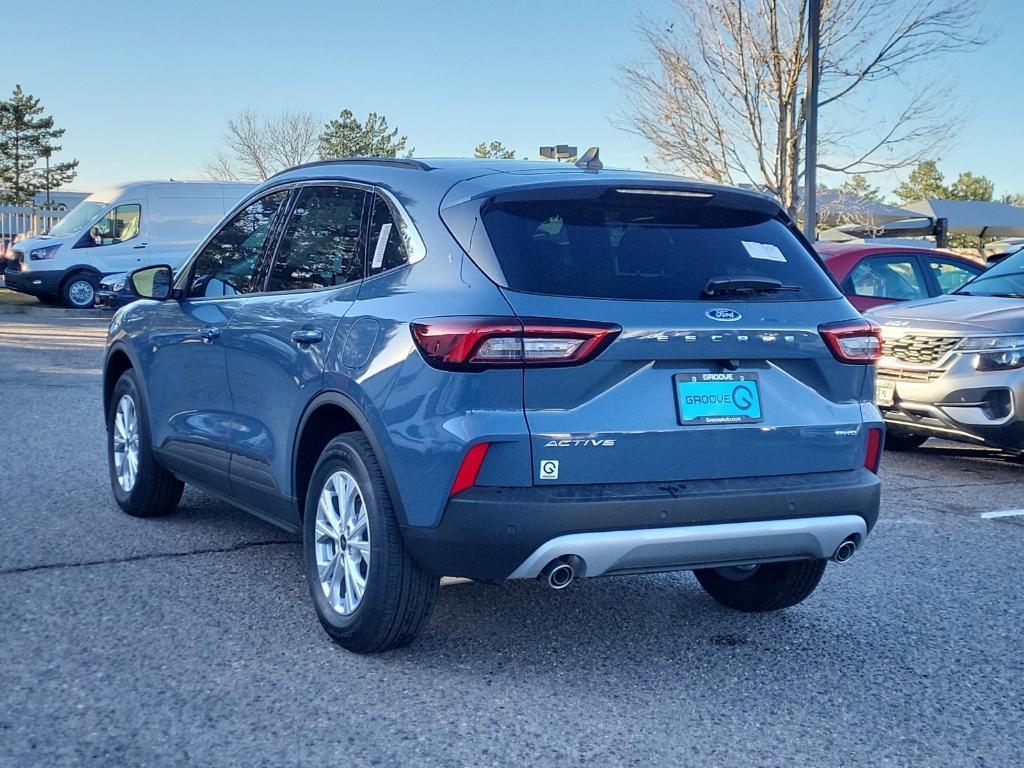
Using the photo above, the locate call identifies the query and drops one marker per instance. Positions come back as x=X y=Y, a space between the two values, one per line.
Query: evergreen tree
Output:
x=347 y=137
x=924 y=183
x=971 y=187
x=857 y=186
x=27 y=136
x=495 y=150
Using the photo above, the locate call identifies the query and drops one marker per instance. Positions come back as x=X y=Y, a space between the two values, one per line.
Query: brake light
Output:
x=475 y=343
x=470 y=468
x=873 y=454
x=856 y=341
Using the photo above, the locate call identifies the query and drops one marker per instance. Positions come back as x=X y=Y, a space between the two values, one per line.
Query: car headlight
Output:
x=114 y=285
x=38 y=254
x=996 y=353
x=1006 y=360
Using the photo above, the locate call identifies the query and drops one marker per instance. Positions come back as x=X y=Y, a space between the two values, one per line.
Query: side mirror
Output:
x=152 y=282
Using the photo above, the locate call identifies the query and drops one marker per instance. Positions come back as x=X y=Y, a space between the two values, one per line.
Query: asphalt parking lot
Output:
x=189 y=640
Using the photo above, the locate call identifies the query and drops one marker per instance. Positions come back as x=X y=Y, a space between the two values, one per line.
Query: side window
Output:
x=120 y=224
x=887 y=277
x=322 y=241
x=225 y=266
x=386 y=249
x=951 y=275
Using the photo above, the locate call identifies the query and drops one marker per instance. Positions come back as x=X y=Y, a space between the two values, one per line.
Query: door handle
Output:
x=209 y=334
x=139 y=246
x=308 y=336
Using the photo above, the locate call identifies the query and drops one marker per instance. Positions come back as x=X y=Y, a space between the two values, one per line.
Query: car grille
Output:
x=919 y=349
x=903 y=374
x=19 y=256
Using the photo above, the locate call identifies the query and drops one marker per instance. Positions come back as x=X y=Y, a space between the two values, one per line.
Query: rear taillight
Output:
x=475 y=343
x=873 y=453
x=856 y=341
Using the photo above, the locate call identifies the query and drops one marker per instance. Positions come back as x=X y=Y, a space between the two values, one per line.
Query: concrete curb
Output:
x=54 y=313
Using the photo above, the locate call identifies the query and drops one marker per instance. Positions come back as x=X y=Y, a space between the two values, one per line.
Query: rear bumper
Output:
x=498 y=533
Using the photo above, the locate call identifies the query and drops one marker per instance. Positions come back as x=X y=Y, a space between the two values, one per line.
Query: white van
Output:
x=117 y=230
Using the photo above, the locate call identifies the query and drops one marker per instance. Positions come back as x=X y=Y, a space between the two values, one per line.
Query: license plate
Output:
x=718 y=398
x=885 y=393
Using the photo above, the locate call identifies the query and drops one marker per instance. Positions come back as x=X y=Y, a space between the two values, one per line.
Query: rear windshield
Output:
x=646 y=246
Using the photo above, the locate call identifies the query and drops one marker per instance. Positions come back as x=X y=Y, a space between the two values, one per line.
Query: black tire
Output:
x=73 y=294
x=768 y=587
x=398 y=595
x=155 y=491
x=903 y=441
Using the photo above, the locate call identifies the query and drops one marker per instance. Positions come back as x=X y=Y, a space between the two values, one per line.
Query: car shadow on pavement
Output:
x=666 y=619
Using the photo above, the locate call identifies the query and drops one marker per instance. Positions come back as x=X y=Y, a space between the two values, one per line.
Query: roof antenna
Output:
x=590 y=160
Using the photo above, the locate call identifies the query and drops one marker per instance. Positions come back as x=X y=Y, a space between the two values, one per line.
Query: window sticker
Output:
x=765 y=251
x=382 y=244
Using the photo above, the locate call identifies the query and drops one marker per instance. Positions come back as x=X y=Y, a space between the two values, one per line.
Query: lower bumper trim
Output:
x=698 y=546
x=1008 y=435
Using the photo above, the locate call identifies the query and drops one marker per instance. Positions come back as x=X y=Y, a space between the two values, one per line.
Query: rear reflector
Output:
x=855 y=341
x=476 y=343
x=470 y=468
x=873 y=454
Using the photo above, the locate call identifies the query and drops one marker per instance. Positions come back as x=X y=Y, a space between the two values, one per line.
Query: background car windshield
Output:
x=646 y=247
x=1004 y=279
x=77 y=218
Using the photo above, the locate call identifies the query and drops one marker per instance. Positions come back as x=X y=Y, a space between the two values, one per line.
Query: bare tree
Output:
x=723 y=97
x=256 y=147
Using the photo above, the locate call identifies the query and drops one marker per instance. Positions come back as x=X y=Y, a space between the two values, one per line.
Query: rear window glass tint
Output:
x=645 y=247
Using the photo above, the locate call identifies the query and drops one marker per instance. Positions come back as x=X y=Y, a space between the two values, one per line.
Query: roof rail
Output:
x=397 y=162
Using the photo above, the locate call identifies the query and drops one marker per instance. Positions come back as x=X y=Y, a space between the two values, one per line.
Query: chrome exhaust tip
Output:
x=558 y=574
x=845 y=551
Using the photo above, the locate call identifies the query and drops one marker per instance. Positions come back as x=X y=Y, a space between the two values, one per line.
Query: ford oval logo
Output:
x=723 y=315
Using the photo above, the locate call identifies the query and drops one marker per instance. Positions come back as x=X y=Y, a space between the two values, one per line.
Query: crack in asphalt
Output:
x=150 y=556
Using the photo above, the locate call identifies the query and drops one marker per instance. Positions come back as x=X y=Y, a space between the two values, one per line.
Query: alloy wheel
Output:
x=342 y=542
x=126 y=443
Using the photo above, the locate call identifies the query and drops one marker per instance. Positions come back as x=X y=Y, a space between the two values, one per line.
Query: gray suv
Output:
x=953 y=366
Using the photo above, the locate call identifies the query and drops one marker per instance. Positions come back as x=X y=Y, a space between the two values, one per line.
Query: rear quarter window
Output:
x=646 y=247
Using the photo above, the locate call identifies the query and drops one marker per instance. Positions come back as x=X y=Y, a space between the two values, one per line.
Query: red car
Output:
x=872 y=275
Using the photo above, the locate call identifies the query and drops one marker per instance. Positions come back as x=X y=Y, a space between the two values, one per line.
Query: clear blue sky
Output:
x=144 y=88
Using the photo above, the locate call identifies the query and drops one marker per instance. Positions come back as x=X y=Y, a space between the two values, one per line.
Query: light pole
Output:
x=47 y=151
x=811 y=98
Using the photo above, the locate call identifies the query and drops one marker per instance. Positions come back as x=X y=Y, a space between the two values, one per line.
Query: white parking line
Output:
x=1003 y=513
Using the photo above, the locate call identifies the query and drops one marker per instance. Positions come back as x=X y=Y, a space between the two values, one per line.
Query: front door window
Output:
x=226 y=265
x=950 y=275
x=121 y=224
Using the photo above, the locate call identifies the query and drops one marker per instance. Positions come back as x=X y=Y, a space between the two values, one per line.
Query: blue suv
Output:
x=504 y=370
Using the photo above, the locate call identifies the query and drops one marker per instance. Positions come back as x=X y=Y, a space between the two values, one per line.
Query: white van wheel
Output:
x=79 y=291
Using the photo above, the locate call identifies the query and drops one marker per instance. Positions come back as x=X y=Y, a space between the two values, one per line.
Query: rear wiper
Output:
x=722 y=286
